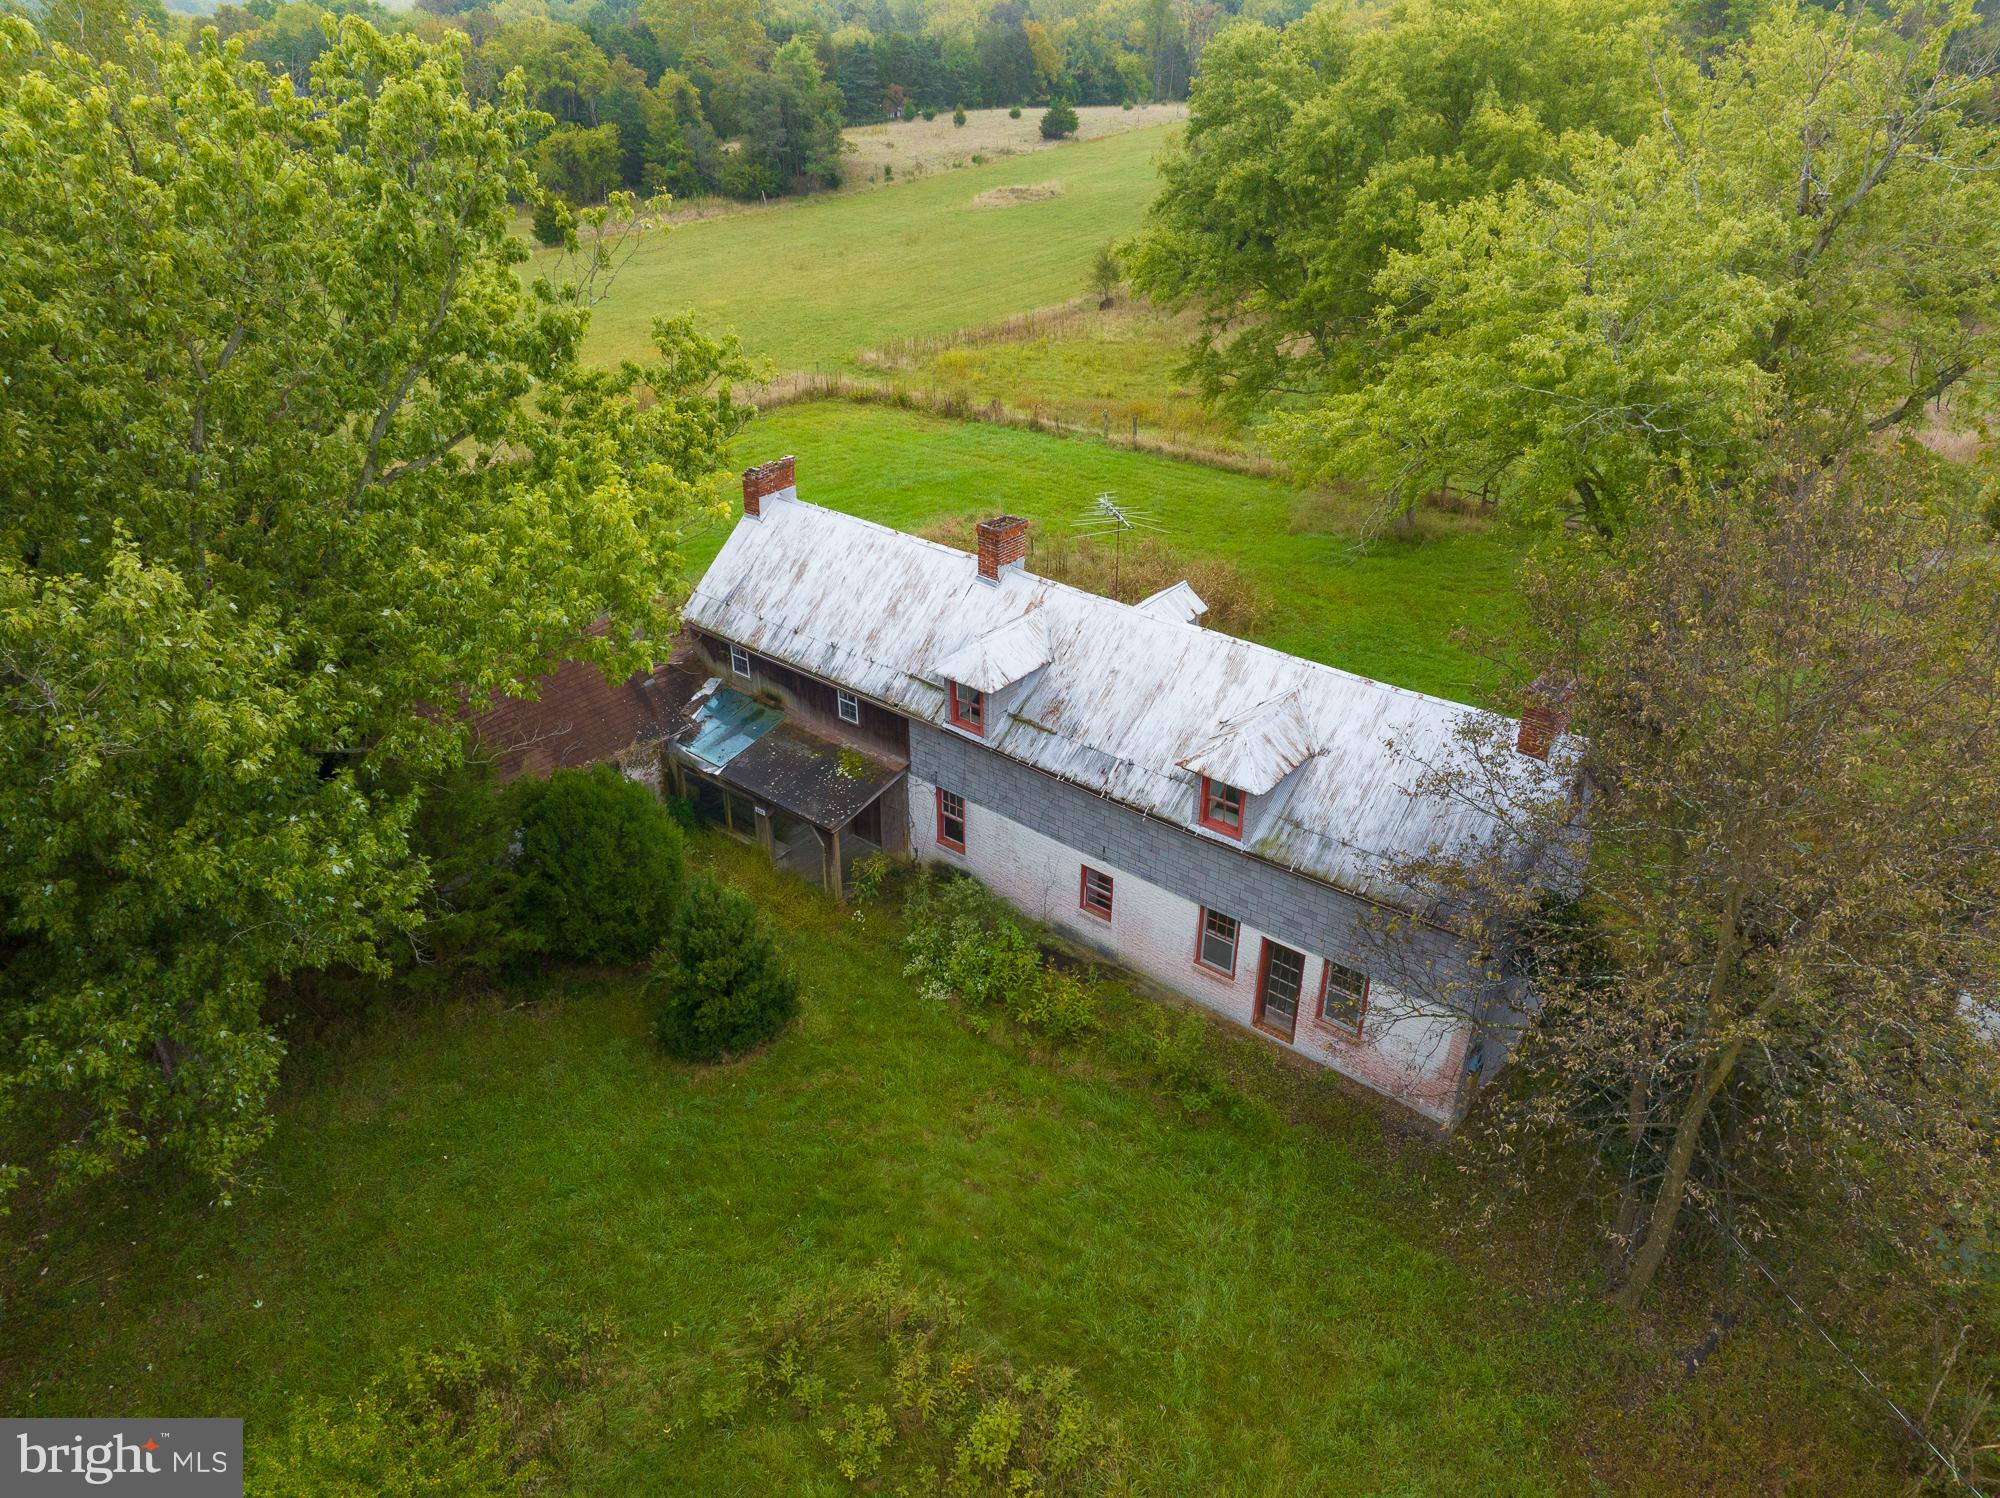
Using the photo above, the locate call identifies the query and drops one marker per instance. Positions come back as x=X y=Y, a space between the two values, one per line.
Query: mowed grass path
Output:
x=1387 y=610
x=812 y=281
x=1260 y=1296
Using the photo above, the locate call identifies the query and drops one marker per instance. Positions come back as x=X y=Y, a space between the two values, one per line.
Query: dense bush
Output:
x=1177 y=1055
x=599 y=868
x=463 y=831
x=1014 y=113
x=964 y=944
x=958 y=115
x=1059 y=121
x=551 y=221
x=719 y=986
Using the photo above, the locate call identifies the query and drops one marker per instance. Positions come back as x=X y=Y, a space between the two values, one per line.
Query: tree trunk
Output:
x=1672 y=1194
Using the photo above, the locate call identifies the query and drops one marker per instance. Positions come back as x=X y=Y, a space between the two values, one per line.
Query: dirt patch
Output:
x=1026 y=192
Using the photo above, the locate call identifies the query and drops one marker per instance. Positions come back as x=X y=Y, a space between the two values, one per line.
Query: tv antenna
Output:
x=1105 y=516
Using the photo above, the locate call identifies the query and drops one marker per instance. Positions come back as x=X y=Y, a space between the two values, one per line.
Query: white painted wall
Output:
x=1413 y=1058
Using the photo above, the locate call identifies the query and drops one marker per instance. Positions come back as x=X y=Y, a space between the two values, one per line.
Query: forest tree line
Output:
x=736 y=97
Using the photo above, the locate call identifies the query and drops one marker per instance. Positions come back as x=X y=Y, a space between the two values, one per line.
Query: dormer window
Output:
x=968 y=709
x=1221 y=808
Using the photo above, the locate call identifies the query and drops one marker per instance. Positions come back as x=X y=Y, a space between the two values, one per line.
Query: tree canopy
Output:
x=1558 y=292
x=297 y=462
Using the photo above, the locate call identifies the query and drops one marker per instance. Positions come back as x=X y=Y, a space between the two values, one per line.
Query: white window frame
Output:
x=739 y=661
x=847 y=705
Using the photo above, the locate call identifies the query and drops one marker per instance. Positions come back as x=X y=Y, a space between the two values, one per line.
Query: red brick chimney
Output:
x=761 y=482
x=1003 y=542
x=1544 y=716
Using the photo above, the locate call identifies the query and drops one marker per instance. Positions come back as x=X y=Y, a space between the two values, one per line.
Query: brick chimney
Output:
x=766 y=481
x=1544 y=716
x=1003 y=542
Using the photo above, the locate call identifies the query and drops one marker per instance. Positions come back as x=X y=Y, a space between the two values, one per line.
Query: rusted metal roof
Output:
x=1127 y=696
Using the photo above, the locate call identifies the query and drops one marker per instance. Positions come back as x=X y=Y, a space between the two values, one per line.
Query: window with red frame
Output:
x=1095 y=896
x=1215 y=946
x=951 y=820
x=1343 y=997
x=1221 y=807
x=968 y=709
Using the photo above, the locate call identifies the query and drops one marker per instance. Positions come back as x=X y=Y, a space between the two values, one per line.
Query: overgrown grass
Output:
x=1266 y=1298
x=815 y=280
x=1386 y=608
x=1108 y=370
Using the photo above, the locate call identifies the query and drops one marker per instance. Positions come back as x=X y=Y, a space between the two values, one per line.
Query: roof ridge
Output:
x=1131 y=609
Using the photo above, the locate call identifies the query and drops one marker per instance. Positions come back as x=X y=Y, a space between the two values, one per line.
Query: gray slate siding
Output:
x=1296 y=910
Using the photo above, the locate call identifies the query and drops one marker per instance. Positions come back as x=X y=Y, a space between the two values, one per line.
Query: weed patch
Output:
x=902 y=1400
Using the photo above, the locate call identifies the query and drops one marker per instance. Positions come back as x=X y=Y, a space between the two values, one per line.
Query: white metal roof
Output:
x=1255 y=750
x=1176 y=602
x=1000 y=657
x=1127 y=698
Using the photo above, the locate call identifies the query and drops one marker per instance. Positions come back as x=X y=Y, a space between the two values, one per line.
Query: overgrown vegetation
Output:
x=963 y=944
x=458 y=1420
x=880 y=1366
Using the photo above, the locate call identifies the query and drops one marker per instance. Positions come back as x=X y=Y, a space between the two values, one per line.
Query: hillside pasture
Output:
x=812 y=281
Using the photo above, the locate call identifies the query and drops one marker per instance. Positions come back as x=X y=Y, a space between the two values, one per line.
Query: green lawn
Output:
x=1386 y=610
x=814 y=280
x=1265 y=1298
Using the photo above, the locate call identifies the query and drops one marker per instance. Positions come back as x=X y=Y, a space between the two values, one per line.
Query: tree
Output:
x=794 y=120
x=599 y=867
x=1310 y=155
x=1760 y=990
x=295 y=457
x=719 y=986
x=565 y=72
x=1106 y=276
x=1664 y=305
x=1060 y=120
x=583 y=165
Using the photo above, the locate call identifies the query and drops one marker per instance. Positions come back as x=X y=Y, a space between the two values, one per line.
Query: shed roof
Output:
x=1128 y=699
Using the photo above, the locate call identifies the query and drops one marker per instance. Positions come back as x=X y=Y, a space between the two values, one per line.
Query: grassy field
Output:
x=915 y=147
x=1266 y=1298
x=813 y=281
x=1387 y=610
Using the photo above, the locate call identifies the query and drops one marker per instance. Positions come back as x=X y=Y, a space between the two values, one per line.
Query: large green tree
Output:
x=295 y=461
x=1311 y=155
x=1807 y=239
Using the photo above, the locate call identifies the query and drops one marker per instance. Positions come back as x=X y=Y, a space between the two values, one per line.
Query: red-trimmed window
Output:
x=968 y=709
x=1094 y=894
x=1221 y=808
x=1215 y=942
x=1343 y=997
x=951 y=820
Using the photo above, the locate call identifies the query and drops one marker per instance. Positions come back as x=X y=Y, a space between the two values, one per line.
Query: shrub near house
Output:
x=718 y=986
x=599 y=867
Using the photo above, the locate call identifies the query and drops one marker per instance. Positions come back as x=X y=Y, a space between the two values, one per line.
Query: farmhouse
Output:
x=1219 y=816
